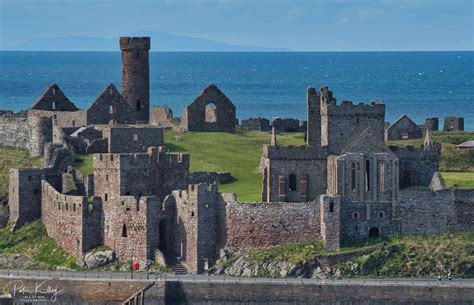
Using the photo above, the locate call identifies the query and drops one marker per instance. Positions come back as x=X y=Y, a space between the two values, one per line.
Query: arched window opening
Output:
x=211 y=113
x=292 y=183
x=367 y=175
x=353 y=177
x=382 y=177
x=139 y=105
x=53 y=105
x=111 y=109
x=73 y=123
x=138 y=55
x=331 y=207
x=124 y=231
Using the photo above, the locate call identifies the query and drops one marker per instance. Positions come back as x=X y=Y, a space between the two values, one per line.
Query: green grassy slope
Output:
x=398 y=256
x=237 y=153
x=32 y=243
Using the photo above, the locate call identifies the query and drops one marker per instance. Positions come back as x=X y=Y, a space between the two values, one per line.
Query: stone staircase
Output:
x=178 y=268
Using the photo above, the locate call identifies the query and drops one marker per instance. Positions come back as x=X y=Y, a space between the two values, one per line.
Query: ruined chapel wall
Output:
x=223 y=116
x=257 y=225
x=403 y=129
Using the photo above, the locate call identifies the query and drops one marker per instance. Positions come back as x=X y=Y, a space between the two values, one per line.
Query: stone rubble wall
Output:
x=453 y=124
x=425 y=212
x=259 y=225
x=210 y=177
x=417 y=165
x=259 y=123
x=161 y=117
x=14 y=132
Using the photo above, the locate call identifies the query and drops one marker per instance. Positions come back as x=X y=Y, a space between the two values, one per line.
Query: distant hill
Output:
x=159 y=42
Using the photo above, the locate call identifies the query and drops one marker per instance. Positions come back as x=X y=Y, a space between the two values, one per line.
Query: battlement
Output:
x=411 y=150
x=291 y=152
x=71 y=204
x=195 y=190
x=138 y=205
x=133 y=43
x=155 y=155
x=374 y=109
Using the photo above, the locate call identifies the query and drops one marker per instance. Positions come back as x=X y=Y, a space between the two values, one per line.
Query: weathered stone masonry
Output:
x=344 y=184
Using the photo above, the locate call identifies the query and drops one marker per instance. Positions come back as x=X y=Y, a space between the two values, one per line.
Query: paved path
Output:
x=141 y=276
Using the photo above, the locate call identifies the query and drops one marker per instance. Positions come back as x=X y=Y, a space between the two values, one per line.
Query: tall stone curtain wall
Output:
x=257 y=225
x=14 y=132
x=425 y=212
x=71 y=220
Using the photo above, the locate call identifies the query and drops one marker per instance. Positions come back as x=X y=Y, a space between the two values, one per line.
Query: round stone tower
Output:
x=41 y=130
x=136 y=76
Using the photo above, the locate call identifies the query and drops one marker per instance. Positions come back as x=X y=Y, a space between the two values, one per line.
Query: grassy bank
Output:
x=237 y=153
x=34 y=246
x=398 y=256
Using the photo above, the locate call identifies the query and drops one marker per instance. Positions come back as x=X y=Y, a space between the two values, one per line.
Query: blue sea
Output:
x=419 y=84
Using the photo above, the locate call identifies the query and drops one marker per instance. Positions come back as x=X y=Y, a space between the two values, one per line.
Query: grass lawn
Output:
x=237 y=153
x=459 y=179
x=84 y=164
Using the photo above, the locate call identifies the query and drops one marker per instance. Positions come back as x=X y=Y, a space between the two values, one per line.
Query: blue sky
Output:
x=306 y=25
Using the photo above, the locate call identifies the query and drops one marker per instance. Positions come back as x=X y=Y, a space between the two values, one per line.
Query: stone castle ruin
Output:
x=343 y=184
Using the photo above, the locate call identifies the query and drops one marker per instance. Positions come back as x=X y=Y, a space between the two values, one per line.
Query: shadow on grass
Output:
x=174 y=147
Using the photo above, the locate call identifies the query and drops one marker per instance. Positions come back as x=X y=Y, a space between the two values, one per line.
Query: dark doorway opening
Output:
x=374 y=232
